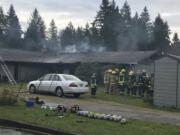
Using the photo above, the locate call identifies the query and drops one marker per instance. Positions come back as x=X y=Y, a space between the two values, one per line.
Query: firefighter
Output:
x=109 y=75
x=144 y=81
x=150 y=81
x=121 y=81
x=148 y=89
x=116 y=85
x=113 y=82
x=106 y=81
x=130 y=82
x=152 y=84
x=140 y=83
x=93 y=85
x=135 y=84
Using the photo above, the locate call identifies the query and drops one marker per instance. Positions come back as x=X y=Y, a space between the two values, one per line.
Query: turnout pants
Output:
x=106 y=88
x=93 y=91
x=112 y=88
x=121 y=88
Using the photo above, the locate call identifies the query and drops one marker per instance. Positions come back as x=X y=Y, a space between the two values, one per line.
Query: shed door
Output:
x=165 y=82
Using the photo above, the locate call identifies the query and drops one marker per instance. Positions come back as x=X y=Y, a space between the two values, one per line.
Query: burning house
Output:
x=27 y=65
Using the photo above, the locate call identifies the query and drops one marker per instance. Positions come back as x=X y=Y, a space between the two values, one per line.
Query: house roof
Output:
x=133 y=57
x=176 y=57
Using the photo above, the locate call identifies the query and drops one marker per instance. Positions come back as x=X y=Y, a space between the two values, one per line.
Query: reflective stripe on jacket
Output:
x=113 y=79
x=121 y=79
x=106 y=78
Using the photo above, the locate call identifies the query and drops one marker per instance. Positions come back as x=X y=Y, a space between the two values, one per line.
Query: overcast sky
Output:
x=82 y=11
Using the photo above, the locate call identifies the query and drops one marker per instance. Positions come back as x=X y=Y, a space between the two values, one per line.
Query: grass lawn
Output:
x=69 y=123
x=118 y=99
x=127 y=100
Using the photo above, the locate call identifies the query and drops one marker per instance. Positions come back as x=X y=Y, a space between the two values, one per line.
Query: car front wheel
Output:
x=59 y=92
x=32 y=89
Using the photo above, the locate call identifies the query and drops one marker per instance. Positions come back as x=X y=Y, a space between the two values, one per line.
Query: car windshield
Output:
x=70 y=78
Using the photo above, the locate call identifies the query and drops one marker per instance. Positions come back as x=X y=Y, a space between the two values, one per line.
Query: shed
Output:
x=167 y=81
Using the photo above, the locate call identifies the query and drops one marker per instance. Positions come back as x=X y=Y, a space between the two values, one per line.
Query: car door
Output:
x=56 y=81
x=45 y=83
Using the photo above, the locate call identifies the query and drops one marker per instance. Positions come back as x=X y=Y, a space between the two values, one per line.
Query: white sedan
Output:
x=59 y=84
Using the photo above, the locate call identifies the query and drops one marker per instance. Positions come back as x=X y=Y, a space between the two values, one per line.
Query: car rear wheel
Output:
x=59 y=92
x=76 y=95
x=32 y=89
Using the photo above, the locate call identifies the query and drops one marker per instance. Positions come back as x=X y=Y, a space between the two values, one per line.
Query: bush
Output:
x=84 y=71
x=7 y=97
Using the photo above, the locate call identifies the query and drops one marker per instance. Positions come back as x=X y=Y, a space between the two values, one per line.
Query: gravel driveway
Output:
x=130 y=112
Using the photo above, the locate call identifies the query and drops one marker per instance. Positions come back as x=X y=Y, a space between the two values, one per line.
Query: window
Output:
x=70 y=78
x=47 y=77
x=56 y=78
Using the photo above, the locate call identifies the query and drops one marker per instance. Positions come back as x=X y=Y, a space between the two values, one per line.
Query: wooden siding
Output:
x=165 y=85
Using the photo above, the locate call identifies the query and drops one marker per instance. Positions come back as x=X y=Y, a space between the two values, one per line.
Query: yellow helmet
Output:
x=109 y=70
x=123 y=70
x=131 y=72
x=113 y=72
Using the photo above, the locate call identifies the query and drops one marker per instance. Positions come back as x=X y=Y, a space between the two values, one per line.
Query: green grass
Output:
x=11 y=87
x=126 y=100
x=119 y=99
x=90 y=127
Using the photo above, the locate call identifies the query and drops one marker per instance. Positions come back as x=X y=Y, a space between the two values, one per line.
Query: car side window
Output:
x=46 y=77
x=56 y=78
x=51 y=77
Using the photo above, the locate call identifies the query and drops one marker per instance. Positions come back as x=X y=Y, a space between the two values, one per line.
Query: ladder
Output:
x=7 y=72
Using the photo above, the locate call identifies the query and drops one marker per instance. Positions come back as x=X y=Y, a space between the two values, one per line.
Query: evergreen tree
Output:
x=68 y=36
x=126 y=13
x=79 y=35
x=35 y=35
x=113 y=25
x=145 y=30
x=13 y=29
x=105 y=22
x=2 y=27
x=161 y=32
x=52 y=35
x=87 y=32
x=135 y=32
x=175 y=39
x=125 y=38
x=101 y=20
x=94 y=37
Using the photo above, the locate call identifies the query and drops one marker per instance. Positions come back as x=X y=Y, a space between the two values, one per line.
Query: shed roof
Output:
x=127 y=57
x=176 y=57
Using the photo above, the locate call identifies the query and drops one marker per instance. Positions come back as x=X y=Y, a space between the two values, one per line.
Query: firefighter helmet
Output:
x=109 y=70
x=93 y=75
x=123 y=70
x=113 y=72
x=131 y=72
x=144 y=71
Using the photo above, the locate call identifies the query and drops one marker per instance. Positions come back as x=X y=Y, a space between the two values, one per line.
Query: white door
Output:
x=56 y=81
x=45 y=83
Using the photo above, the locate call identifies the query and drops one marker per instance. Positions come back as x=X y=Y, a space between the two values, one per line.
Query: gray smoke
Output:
x=82 y=47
